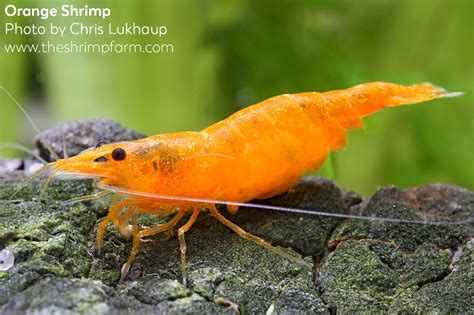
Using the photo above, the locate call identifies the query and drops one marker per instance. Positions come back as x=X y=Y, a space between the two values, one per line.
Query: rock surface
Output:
x=355 y=265
x=76 y=136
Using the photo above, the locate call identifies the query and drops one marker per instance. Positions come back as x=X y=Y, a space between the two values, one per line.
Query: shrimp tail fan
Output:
x=375 y=96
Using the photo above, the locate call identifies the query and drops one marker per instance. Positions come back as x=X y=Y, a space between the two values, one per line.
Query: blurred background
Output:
x=230 y=54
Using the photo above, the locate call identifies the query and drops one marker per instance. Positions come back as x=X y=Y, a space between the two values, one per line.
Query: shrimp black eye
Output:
x=119 y=154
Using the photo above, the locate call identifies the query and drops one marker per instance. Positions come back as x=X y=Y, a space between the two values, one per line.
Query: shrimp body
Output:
x=258 y=152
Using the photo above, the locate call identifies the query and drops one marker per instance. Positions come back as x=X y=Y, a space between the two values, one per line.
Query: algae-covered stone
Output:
x=384 y=266
x=451 y=294
x=360 y=276
x=60 y=296
x=46 y=236
x=300 y=295
x=435 y=203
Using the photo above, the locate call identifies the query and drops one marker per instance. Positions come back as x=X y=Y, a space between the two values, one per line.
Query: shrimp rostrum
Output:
x=256 y=153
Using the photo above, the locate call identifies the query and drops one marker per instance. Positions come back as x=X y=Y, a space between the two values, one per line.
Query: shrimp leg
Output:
x=118 y=220
x=182 y=242
x=113 y=211
x=260 y=241
x=147 y=232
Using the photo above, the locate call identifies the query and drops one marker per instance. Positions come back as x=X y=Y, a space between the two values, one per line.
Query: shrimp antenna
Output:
x=282 y=209
x=16 y=146
x=28 y=181
x=43 y=139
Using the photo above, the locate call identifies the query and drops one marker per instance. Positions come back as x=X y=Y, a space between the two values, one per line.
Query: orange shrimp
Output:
x=256 y=153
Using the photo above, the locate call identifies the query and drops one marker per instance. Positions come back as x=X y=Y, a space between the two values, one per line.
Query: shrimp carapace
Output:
x=256 y=153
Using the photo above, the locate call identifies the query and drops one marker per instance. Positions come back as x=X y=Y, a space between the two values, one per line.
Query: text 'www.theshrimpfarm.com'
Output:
x=85 y=47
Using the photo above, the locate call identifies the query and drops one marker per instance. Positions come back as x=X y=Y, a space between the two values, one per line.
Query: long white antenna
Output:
x=283 y=209
x=16 y=146
x=48 y=146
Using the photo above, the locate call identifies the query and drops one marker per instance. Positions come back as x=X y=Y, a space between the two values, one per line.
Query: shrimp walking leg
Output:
x=113 y=213
x=260 y=241
x=126 y=266
x=121 y=220
x=137 y=237
x=182 y=242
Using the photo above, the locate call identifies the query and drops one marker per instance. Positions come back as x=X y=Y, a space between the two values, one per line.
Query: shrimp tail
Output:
x=372 y=97
x=337 y=111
